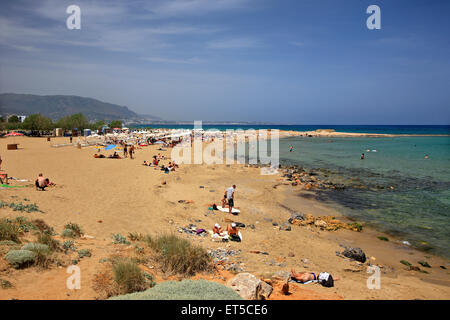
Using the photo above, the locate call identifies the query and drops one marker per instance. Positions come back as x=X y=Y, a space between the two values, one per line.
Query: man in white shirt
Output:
x=230 y=197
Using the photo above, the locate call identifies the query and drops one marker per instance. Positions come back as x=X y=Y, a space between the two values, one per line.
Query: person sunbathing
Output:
x=303 y=276
x=41 y=182
x=145 y=163
x=99 y=156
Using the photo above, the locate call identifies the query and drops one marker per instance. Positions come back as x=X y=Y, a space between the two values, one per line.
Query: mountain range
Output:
x=58 y=106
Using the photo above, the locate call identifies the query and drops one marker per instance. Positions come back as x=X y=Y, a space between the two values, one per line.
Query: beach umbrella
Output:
x=109 y=147
x=14 y=134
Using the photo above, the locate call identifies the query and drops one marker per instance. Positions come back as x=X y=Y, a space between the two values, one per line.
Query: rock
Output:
x=320 y=224
x=282 y=275
x=424 y=264
x=355 y=253
x=285 y=227
x=297 y=216
x=285 y=288
x=247 y=285
x=266 y=290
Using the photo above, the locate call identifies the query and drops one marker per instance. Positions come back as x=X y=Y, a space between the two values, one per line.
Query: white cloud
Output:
x=234 y=43
x=170 y=60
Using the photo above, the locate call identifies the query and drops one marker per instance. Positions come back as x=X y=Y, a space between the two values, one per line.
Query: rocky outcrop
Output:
x=250 y=287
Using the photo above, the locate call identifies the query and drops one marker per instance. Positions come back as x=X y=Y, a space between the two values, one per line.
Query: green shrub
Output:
x=42 y=226
x=42 y=253
x=129 y=277
x=135 y=236
x=9 y=231
x=84 y=253
x=47 y=239
x=31 y=246
x=120 y=239
x=75 y=228
x=184 y=290
x=5 y=284
x=20 y=258
x=8 y=243
x=68 y=245
x=68 y=233
x=179 y=255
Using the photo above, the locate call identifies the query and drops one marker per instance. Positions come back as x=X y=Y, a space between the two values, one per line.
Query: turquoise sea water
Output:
x=394 y=189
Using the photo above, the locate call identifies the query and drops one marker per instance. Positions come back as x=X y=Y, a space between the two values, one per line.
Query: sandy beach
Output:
x=109 y=196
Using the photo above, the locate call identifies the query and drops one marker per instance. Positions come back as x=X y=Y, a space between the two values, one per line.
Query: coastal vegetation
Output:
x=38 y=122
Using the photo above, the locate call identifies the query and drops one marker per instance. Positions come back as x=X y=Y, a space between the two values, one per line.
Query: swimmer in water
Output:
x=426 y=156
x=291 y=148
x=362 y=156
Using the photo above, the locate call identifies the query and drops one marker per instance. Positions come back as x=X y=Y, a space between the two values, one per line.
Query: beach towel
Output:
x=8 y=186
x=227 y=210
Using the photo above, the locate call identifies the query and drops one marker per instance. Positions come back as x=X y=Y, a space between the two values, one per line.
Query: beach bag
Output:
x=326 y=279
x=234 y=237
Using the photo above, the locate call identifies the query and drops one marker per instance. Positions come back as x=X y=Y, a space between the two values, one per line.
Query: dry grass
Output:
x=178 y=255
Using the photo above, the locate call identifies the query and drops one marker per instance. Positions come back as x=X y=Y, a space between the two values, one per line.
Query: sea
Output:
x=401 y=187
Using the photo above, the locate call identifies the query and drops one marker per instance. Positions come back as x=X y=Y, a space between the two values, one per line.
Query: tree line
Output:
x=39 y=122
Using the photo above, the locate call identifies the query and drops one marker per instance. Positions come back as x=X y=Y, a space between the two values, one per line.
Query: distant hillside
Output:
x=58 y=106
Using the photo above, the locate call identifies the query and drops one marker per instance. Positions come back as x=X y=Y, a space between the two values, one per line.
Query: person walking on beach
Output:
x=230 y=197
x=131 y=151
x=125 y=151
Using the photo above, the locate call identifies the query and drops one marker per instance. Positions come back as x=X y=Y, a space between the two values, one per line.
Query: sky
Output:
x=284 y=61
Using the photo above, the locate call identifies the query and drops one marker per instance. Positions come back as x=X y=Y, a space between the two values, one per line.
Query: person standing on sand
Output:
x=131 y=151
x=230 y=197
x=125 y=151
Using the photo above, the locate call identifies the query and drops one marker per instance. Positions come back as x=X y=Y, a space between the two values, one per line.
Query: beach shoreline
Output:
x=128 y=197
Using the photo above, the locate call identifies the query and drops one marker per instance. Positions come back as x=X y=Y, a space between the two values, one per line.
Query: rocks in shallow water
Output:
x=355 y=254
x=424 y=264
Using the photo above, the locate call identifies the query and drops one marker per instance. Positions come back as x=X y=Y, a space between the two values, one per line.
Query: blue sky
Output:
x=287 y=61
